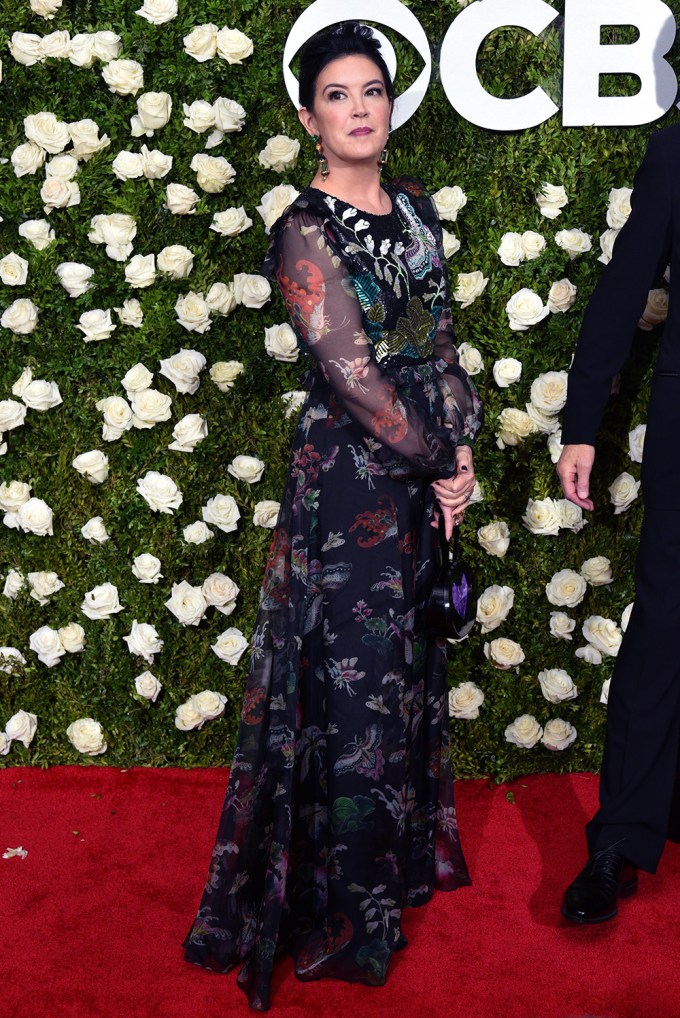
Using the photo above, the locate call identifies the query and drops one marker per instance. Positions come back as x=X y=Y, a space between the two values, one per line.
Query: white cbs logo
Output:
x=585 y=59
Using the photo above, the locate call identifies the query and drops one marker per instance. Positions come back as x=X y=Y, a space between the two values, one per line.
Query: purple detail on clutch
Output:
x=459 y=595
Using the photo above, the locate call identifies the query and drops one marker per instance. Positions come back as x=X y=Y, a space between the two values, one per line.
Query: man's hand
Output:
x=573 y=468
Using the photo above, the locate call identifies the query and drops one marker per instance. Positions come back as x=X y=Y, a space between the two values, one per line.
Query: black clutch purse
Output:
x=451 y=608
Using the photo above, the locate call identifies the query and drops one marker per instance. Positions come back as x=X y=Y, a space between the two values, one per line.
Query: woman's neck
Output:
x=358 y=186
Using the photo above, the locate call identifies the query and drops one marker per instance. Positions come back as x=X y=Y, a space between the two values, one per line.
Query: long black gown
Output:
x=339 y=810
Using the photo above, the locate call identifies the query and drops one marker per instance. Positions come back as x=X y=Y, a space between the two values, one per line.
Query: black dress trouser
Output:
x=643 y=719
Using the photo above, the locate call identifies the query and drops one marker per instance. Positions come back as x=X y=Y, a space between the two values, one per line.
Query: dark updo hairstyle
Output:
x=345 y=40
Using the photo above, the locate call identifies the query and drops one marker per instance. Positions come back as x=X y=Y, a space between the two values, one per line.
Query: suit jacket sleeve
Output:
x=641 y=253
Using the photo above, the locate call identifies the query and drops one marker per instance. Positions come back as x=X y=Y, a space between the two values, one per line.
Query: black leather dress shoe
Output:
x=593 y=896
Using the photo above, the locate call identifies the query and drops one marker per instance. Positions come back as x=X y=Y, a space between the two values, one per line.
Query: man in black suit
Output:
x=643 y=719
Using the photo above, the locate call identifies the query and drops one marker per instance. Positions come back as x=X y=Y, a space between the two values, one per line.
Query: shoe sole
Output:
x=625 y=891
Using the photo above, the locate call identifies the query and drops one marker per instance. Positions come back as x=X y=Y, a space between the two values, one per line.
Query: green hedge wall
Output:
x=500 y=174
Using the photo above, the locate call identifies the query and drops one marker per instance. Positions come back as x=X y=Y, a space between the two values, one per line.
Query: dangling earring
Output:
x=323 y=163
x=383 y=158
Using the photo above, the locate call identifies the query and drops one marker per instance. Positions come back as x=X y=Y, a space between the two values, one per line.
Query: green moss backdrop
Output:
x=500 y=174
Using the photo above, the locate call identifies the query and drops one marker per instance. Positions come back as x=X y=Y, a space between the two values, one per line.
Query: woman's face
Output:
x=351 y=111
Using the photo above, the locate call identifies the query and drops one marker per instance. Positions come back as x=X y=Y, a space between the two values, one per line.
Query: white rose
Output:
x=155 y=164
x=199 y=116
x=547 y=423
x=571 y=516
x=524 y=732
x=59 y=194
x=603 y=634
x=159 y=492
x=656 y=311
x=188 y=432
x=176 y=260
x=193 y=313
x=619 y=209
x=180 y=200
x=280 y=153
x=148 y=686
x=72 y=638
x=507 y=371
x=136 y=379
x=22 y=383
x=231 y=222
x=147 y=568
x=293 y=401
x=494 y=538
x=533 y=245
x=551 y=199
x=246 y=468
x=561 y=626
x=555 y=446
x=12 y=414
x=116 y=231
x=153 y=113
x=184 y=369
x=41 y=395
x=106 y=45
x=465 y=701
x=566 y=588
x=187 y=603
x=140 y=271
x=93 y=465
x=96 y=325
x=470 y=359
x=513 y=427
x=557 y=685
x=33 y=517
x=13 y=270
x=448 y=202
x=574 y=242
x=233 y=46
x=266 y=513
x=14 y=582
x=94 y=531
x=43 y=585
x=47 y=131
x=46 y=8
x=510 y=251
x=143 y=641
x=607 y=241
x=27 y=158
x=281 y=343
x=197 y=533
x=558 y=734
x=37 y=232
x=562 y=296
x=229 y=116
x=21 y=317
x=86 y=735
x=128 y=165
x=9 y=658
x=251 y=289
x=494 y=606
x=158 y=12
x=450 y=243
x=131 y=313
x=220 y=298
x=5 y=744
x=150 y=407
x=625 y=617
x=220 y=592
x=201 y=44
x=504 y=654
x=589 y=654
x=47 y=645
x=225 y=373
x=275 y=202
x=187 y=717
x=223 y=512
x=208 y=704
x=542 y=517
x=213 y=173
x=81 y=51
x=64 y=166
x=75 y=277
x=14 y=494
x=604 y=694
x=525 y=308
x=101 y=602
x=230 y=645
x=597 y=571
x=85 y=137
x=21 y=727
x=469 y=286
x=117 y=417
x=124 y=77
x=549 y=391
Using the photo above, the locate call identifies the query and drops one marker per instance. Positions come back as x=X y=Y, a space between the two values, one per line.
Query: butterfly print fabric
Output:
x=339 y=811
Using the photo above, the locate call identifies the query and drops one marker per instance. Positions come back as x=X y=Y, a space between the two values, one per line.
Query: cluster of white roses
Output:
x=22 y=511
x=21 y=727
x=526 y=732
x=198 y=709
x=547 y=398
x=208 y=41
x=189 y=604
x=81 y=50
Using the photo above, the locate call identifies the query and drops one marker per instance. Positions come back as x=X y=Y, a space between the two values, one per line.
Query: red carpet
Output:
x=92 y=919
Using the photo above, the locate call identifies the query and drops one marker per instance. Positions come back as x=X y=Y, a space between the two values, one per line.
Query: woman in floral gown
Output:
x=339 y=810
